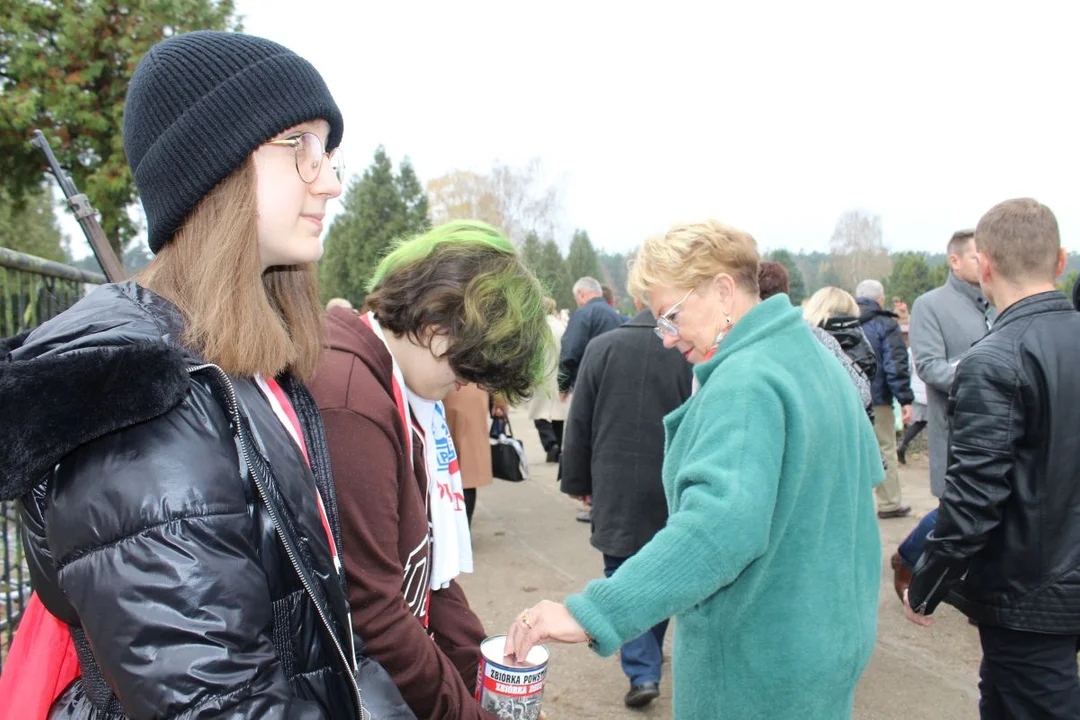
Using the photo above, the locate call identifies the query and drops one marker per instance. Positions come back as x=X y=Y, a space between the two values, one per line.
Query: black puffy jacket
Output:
x=189 y=559
x=1006 y=547
x=847 y=331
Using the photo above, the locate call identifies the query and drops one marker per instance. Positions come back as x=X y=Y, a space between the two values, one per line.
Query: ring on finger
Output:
x=525 y=619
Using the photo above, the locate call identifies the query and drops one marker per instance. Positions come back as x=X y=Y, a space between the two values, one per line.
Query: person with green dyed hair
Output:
x=451 y=307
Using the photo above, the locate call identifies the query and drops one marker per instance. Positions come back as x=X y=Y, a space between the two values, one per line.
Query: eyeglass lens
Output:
x=309 y=159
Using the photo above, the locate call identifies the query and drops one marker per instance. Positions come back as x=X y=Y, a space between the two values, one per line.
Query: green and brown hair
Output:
x=466 y=280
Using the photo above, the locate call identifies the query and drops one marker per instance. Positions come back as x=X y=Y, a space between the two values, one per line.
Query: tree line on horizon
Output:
x=383 y=204
x=50 y=50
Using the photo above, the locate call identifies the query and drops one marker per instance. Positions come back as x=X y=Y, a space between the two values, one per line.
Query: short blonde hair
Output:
x=827 y=303
x=1021 y=239
x=690 y=254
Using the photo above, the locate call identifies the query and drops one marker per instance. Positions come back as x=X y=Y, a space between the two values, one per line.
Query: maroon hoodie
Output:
x=384 y=531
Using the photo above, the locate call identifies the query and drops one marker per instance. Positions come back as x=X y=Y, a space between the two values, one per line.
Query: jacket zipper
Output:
x=261 y=487
x=921 y=609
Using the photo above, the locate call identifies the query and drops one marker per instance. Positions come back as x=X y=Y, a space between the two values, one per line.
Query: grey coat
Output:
x=613 y=445
x=945 y=323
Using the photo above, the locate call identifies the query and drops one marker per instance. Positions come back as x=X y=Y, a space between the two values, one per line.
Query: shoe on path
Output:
x=902 y=511
x=641 y=695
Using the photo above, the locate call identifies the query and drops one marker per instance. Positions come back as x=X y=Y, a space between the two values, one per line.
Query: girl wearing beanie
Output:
x=172 y=467
x=451 y=307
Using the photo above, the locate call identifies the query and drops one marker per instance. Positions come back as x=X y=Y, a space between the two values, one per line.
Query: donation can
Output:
x=510 y=691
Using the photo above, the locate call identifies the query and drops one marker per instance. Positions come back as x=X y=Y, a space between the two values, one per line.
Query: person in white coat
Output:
x=546 y=410
x=919 y=416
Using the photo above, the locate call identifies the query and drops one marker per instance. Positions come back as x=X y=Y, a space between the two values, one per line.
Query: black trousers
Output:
x=470 y=503
x=910 y=433
x=550 y=432
x=1028 y=676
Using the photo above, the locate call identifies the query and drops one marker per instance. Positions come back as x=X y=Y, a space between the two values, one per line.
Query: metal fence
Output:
x=32 y=290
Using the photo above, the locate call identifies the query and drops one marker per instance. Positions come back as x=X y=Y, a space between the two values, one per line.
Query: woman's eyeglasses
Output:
x=309 y=157
x=665 y=324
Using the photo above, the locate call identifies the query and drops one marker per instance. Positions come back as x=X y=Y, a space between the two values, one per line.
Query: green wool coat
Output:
x=771 y=558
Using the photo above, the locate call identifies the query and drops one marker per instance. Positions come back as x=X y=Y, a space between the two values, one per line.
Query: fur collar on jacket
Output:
x=62 y=386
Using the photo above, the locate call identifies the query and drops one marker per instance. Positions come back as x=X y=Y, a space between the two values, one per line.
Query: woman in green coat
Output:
x=771 y=559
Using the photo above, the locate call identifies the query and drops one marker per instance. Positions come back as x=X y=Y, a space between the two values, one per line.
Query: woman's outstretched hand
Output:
x=544 y=621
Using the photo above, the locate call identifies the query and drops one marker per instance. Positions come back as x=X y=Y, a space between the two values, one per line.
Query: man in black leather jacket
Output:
x=1006 y=547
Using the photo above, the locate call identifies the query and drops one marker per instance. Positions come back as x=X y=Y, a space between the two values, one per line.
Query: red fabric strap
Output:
x=290 y=413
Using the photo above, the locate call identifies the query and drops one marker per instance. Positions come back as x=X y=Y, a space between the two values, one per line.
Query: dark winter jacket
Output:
x=591 y=320
x=189 y=560
x=1006 y=547
x=614 y=438
x=893 y=376
x=847 y=331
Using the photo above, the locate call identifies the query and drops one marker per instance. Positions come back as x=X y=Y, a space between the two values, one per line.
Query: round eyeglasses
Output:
x=310 y=155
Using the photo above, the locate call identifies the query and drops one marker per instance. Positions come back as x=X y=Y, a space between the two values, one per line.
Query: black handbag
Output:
x=507 y=452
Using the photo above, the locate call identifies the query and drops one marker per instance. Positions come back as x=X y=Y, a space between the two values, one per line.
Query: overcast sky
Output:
x=775 y=117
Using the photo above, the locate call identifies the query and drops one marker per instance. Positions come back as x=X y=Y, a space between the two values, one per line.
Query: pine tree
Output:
x=531 y=250
x=416 y=200
x=797 y=282
x=911 y=277
x=613 y=267
x=378 y=209
x=553 y=273
x=1067 y=281
x=582 y=260
x=830 y=277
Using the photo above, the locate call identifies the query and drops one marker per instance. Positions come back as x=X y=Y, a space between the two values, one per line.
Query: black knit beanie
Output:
x=199 y=104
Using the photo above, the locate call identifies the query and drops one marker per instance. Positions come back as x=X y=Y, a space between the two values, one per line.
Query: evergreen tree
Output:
x=531 y=250
x=615 y=272
x=555 y=276
x=582 y=260
x=939 y=274
x=379 y=208
x=797 y=291
x=65 y=67
x=412 y=193
x=1067 y=281
x=911 y=276
x=830 y=277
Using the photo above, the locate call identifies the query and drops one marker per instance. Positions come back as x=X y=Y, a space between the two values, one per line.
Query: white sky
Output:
x=773 y=116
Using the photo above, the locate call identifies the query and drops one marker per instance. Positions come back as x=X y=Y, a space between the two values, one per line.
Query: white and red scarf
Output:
x=451 y=542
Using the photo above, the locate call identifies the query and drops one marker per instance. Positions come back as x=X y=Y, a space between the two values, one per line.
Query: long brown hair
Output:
x=242 y=319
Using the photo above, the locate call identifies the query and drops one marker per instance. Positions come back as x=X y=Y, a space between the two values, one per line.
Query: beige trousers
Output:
x=888 y=492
